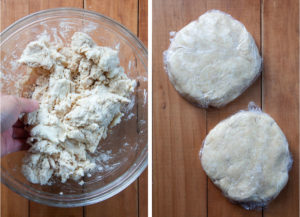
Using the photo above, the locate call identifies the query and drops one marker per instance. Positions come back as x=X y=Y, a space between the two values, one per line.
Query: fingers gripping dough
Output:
x=212 y=60
x=247 y=156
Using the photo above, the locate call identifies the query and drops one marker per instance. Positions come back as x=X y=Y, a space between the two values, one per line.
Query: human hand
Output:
x=13 y=134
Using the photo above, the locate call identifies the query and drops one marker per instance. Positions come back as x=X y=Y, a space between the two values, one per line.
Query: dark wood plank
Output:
x=179 y=183
x=39 y=210
x=37 y=5
x=125 y=12
x=281 y=90
x=143 y=194
x=126 y=202
x=12 y=10
x=12 y=204
x=248 y=12
x=143 y=179
x=122 y=204
x=143 y=21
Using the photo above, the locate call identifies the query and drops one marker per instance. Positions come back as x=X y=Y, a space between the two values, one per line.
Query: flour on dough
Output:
x=212 y=60
x=82 y=91
x=247 y=156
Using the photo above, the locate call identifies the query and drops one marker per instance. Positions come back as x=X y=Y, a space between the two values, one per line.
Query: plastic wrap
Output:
x=247 y=157
x=212 y=60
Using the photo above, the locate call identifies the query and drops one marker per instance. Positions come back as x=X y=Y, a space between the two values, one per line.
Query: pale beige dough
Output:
x=212 y=60
x=247 y=157
x=82 y=91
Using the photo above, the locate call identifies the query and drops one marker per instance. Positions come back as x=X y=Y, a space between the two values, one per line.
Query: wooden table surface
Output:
x=180 y=186
x=132 y=202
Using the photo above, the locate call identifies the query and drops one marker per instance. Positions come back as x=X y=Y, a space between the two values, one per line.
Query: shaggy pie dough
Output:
x=247 y=156
x=212 y=60
x=82 y=90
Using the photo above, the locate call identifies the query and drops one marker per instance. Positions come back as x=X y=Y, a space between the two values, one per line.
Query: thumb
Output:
x=28 y=105
x=12 y=106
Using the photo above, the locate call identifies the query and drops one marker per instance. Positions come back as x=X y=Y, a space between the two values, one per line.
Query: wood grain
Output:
x=12 y=204
x=281 y=90
x=143 y=21
x=39 y=210
x=122 y=204
x=37 y=5
x=12 y=10
x=143 y=194
x=179 y=183
x=125 y=12
x=143 y=179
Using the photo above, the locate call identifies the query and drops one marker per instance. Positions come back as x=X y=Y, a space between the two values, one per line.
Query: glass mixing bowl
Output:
x=122 y=157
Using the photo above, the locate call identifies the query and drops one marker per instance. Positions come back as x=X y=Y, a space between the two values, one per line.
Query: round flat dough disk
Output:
x=212 y=60
x=247 y=156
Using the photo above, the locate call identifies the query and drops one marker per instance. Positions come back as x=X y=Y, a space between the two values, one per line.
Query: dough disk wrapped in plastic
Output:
x=212 y=60
x=247 y=157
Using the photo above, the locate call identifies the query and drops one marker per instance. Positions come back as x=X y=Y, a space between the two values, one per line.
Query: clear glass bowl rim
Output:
x=120 y=183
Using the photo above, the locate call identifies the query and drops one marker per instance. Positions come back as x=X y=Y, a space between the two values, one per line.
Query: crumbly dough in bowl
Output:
x=82 y=91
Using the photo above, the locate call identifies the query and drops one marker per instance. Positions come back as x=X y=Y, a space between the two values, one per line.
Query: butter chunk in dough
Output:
x=247 y=156
x=82 y=91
